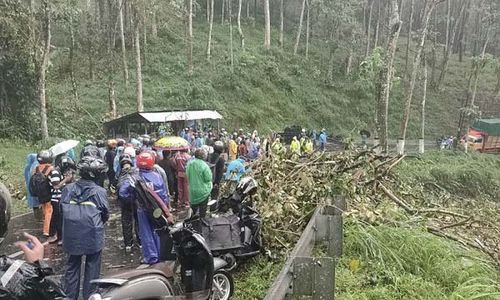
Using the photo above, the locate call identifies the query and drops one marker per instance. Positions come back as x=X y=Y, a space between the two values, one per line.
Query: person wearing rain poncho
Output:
x=33 y=203
x=295 y=147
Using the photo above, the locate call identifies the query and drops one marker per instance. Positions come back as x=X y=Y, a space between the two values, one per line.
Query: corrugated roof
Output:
x=159 y=117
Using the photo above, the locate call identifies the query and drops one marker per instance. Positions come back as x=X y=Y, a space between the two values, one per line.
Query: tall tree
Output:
x=240 y=31
x=446 y=58
x=307 y=28
x=137 y=46
x=229 y=7
x=42 y=54
x=429 y=8
x=408 y=40
x=421 y=141
x=369 y=27
x=122 y=40
x=267 y=31
x=210 y=27
x=282 y=23
x=190 y=37
x=386 y=77
x=299 y=30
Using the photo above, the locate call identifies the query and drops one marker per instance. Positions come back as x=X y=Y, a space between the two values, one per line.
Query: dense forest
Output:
x=393 y=66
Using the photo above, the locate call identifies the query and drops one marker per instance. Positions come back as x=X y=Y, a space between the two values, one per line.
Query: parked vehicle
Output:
x=484 y=136
x=232 y=229
x=196 y=274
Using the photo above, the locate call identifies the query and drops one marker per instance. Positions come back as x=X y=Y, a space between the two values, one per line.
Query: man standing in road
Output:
x=84 y=206
x=200 y=182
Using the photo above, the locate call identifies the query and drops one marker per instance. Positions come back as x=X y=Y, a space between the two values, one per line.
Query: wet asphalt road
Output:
x=114 y=258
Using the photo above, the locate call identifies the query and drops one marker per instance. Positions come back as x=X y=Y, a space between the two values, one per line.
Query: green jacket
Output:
x=200 y=180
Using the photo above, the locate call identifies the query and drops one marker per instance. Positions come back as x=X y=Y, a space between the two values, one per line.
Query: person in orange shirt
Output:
x=41 y=187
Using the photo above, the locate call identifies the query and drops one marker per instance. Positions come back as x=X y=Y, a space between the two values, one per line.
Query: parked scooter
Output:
x=201 y=276
x=232 y=229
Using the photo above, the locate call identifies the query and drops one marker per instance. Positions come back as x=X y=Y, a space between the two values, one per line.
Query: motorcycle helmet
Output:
x=129 y=151
x=100 y=144
x=92 y=168
x=218 y=147
x=120 y=142
x=44 y=157
x=88 y=143
x=126 y=159
x=145 y=161
x=66 y=163
x=247 y=186
x=5 y=207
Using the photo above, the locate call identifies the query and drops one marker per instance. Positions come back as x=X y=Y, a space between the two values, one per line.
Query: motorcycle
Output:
x=232 y=228
x=200 y=276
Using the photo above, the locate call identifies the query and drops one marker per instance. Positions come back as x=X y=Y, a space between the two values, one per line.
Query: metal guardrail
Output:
x=303 y=275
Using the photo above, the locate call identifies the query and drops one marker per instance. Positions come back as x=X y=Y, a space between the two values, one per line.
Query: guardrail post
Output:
x=336 y=227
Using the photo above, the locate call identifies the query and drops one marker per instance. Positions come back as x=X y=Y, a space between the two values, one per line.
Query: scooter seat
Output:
x=165 y=269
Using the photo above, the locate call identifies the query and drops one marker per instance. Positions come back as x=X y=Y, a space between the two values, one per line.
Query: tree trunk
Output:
x=72 y=60
x=377 y=26
x=43 y=63
x=154 y=25
x=447 y=55
x=429 y=7
x=124 y=50
x=349 y=59
x=210 y=26
x=240 y=31
x=481 y=64
x=254 y=12
x=230 y=12
x=140 y=104
x=463 y=35
x=248 y=9
x=208 y=11
x=282 y=23
x=299 y=30
x=223 y=11
x=190 y=37
x=144 y=34
x=307 y=29
x=422 y=111
x=386 y=75
x=112 y=99
x=369 y=29
x=408 y=40
x=448 y=24
x=267 y=32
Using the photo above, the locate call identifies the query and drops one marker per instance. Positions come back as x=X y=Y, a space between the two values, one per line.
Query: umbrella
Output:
x=63 y=147
x=172 y=143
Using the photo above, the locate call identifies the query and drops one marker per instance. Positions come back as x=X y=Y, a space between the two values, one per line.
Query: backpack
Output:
x=39 y=184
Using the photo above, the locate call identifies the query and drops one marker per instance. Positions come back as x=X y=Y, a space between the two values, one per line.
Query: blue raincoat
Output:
x=150 y=240
x=235 y=170
x=31 y=163
x=84 y=208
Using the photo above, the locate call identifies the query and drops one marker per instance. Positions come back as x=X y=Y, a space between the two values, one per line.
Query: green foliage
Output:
x=471 y=175
x=399 y=263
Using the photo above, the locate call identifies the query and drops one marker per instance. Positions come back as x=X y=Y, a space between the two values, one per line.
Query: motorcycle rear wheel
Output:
x=222 y=286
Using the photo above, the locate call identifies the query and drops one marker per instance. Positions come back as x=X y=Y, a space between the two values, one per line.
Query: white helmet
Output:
x=247 y=186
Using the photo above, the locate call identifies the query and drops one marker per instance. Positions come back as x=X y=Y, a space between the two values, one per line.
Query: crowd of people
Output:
x=74 y=211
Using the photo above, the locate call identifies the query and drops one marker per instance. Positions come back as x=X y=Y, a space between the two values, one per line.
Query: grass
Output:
x=401 y=263
x=12 y=161
x=472 y=175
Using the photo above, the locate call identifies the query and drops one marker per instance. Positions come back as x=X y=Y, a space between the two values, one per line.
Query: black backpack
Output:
x=39 y=185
